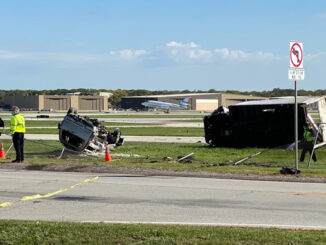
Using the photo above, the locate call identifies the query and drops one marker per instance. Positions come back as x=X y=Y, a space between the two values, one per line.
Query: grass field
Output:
x=48 y=123
x=38 y=232
x=34 y=123
x=142 y=116
x=153 y=155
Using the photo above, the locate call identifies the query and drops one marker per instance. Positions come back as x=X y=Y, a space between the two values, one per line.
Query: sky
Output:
x=159 y=45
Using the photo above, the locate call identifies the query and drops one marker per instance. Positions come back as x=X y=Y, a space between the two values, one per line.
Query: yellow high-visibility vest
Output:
x=307 y=135
x=17 y=124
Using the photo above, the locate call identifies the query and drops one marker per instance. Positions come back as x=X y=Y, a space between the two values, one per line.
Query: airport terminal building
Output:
x=197 y=101
x=57 y=102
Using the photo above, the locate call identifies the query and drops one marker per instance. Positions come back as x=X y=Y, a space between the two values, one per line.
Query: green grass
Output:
x=34 y=123
x=144 y=116
x=141 y=131
x=152 y=155
x=48 y=123
x=108 y=124
x=162 y=131
x=42 y=131
x=39 y=232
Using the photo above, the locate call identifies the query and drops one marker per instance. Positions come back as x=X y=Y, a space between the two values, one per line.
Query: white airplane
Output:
x=183 y=105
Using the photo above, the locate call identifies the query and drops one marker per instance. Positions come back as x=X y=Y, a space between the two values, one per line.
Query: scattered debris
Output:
x=125 y=155
x=185 y=157
x=248 y=157
x=286 y=170
x=168 y=159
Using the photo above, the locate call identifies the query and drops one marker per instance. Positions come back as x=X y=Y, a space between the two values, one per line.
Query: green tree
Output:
x=115 y=99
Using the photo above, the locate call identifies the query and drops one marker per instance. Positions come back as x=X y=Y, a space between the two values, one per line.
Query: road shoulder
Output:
x=157 y=172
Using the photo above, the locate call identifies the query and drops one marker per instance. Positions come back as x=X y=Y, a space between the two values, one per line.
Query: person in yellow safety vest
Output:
x=17 y=130
x=308 y=143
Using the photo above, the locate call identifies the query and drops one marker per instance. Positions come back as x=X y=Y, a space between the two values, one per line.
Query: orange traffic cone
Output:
x=2 y=153
x=107 y=154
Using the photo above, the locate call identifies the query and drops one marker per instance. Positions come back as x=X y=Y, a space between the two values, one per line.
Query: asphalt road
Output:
x=163 y=200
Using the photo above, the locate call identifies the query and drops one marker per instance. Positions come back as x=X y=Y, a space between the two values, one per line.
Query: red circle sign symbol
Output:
x=296 y=55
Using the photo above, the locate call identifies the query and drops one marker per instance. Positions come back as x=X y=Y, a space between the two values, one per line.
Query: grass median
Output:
x=39 y=232
x=49 y=123
x=154 y=116
x=192 y=116
x=137 y=131
x=164 y=156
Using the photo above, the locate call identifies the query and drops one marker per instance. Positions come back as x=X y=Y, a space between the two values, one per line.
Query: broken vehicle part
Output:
x=185 y=157
x=83 y=134
x=264 y=123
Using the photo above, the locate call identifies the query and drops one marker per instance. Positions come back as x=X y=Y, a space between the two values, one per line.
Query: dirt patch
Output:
x=156 y=172
x=35 y=167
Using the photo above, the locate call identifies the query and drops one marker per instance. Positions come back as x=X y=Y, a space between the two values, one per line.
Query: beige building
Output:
x=197 y=101
x=58 y=102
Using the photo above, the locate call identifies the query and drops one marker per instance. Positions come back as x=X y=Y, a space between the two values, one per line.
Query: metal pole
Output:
x=296 y=125
x=63 y=149
x=9 y=149
x=313 y=148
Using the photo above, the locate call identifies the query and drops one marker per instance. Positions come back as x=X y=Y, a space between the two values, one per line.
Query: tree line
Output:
x=119 y=93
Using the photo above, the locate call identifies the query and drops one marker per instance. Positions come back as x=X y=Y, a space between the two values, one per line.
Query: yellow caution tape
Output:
x=37 y=196
x=5 y=204
x=59 y=191
x=30 y=197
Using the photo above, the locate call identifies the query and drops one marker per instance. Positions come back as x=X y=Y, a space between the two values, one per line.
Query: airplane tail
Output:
x=184 y=103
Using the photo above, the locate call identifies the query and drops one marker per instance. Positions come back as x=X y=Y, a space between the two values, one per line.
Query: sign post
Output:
x=296 y=72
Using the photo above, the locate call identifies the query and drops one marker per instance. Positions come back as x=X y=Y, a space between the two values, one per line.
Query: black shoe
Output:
x=16 y=161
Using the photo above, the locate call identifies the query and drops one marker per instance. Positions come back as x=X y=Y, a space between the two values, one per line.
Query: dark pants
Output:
x=307 y=146
x=18 y=141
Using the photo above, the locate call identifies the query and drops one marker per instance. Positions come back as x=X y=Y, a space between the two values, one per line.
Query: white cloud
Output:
x=128 y=54
x=172 y=52
x=175 y=44
x=6 y=55
x=313 y=56
x=74 y=58
x=200 y=53
x=62 y=57
x=225 y=53
x=192 y=51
